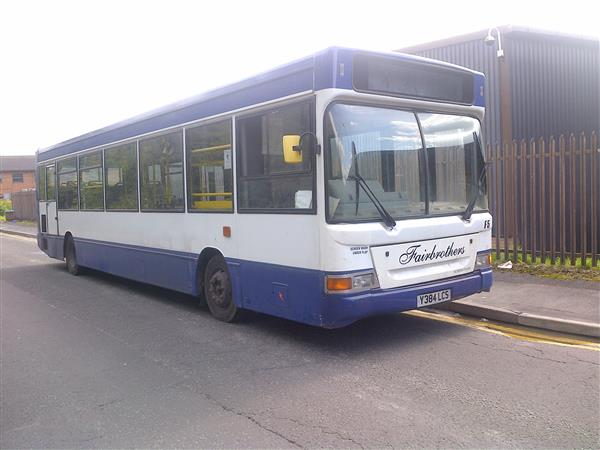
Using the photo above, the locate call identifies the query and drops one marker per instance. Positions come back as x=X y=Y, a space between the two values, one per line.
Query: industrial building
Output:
x=538 y=83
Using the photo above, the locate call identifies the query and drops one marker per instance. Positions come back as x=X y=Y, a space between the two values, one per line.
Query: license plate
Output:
x=432 y=298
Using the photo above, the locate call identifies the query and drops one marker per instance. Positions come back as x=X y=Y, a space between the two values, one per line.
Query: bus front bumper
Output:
x=342 y=309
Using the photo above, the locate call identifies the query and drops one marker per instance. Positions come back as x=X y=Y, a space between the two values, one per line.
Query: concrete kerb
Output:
x=581 y=328
x=18 y=233
x=561 y=325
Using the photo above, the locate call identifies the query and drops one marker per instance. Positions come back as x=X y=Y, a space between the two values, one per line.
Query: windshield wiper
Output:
x=388 y=220
x=469 y=211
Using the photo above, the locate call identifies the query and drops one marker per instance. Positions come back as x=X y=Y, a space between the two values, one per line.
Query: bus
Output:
x=339 y=186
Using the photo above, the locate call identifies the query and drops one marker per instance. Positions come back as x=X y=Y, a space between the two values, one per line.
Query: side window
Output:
x=161 y=172
x=91 y=188
x=67 y=184
x=120 y=177
x=209 y=167
x=51 y=182
x=41 y=183
x=265 y=180
x=17 y=177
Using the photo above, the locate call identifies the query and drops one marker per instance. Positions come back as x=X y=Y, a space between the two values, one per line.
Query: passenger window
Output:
x=120 y=177
x=91 y=187
x=41 y=184
x=209 y=167
x=161 y=172
x=265 y=180
x=51 y=182
x=67 y=184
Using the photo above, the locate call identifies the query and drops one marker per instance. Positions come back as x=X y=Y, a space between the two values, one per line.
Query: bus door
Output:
x=52 y=217
x=47 y=203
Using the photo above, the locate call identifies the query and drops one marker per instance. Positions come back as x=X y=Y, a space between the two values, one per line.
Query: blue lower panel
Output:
x=51 y=244
x=298 y=294
x=340 y=310
x=165 y=268
x=289 y=292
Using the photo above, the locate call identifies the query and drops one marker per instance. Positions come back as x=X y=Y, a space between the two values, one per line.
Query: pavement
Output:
x=566 y=306
x=19 y=229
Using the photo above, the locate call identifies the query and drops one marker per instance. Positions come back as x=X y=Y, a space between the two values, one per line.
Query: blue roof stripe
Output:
x=316 y=72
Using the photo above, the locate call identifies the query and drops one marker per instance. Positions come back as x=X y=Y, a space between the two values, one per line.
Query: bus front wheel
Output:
x=218 y=292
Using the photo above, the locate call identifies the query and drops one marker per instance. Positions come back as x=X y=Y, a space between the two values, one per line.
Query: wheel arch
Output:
x=68 y=235
x=203 y=258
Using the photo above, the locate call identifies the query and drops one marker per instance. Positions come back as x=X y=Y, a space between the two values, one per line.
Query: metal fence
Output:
x=544 y=196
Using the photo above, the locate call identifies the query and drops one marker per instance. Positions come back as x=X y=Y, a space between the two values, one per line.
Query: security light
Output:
x=489 y=41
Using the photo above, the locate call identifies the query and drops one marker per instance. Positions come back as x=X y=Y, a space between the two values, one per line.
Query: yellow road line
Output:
x=514 y=331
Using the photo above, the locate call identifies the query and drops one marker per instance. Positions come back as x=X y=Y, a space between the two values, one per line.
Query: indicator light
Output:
x=483 y=260
x=339 y=284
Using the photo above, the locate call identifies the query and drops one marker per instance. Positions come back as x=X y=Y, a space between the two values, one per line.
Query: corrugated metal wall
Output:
x=555 y=85
x=477 y=56
x=554 y=81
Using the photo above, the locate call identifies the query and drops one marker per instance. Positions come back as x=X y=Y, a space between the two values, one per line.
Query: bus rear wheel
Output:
x=71 y=257
x=218 y=292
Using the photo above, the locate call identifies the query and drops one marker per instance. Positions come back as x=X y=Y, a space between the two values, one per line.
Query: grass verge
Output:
x=571 y=270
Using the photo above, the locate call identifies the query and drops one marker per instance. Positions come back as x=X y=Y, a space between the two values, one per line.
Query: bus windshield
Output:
x=416 y=164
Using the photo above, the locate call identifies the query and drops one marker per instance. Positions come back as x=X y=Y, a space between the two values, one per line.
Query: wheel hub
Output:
x=216 y=287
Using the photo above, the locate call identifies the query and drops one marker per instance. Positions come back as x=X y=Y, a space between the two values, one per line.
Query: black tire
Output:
x=218 y=292
x=71 y=257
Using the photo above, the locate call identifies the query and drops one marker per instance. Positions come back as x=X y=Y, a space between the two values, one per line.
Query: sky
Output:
x=70 y=67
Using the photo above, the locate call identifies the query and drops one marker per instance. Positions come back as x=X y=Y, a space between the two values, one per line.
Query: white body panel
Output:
x=254 y=237
x=417 y=262
x=339 y=248
x=294 y=240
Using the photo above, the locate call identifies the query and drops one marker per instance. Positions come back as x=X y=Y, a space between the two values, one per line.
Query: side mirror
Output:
x=292 y=153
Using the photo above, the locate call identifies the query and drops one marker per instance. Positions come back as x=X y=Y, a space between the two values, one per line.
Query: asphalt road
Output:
x=97 y=361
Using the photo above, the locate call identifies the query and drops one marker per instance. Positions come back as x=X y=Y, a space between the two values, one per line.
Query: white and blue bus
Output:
x=339 y=186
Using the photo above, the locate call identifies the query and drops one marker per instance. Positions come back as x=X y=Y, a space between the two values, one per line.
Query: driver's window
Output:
x=265 y=181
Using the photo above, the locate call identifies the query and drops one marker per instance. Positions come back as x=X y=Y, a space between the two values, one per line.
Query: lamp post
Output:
x=505 y=119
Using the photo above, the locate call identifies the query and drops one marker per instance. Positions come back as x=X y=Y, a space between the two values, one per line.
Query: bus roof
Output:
x=330 y=68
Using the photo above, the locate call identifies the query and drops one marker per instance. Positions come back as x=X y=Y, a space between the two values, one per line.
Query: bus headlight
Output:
x=351 y=282
x=483 y=260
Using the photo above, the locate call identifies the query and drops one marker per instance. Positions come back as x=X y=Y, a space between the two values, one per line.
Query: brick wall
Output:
x=7 y=184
